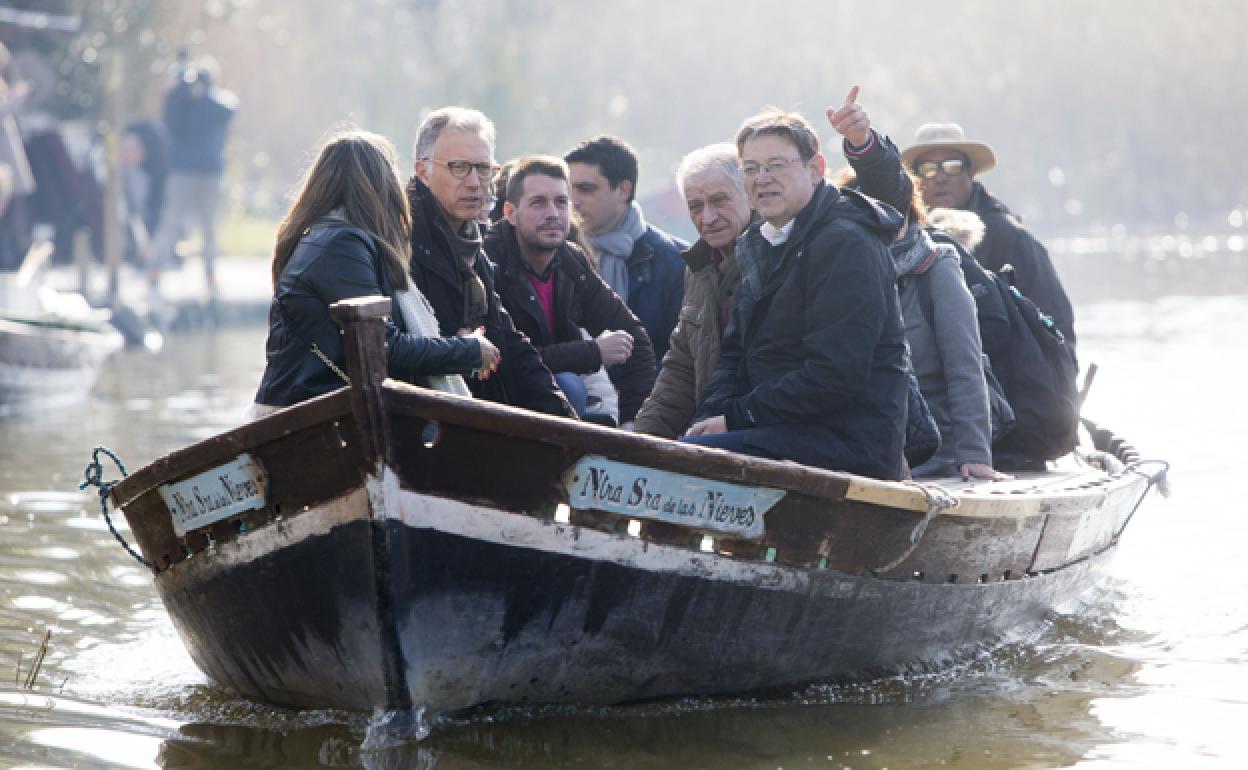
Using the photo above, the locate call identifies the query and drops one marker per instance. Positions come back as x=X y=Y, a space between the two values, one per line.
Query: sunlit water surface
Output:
x=1147 y=674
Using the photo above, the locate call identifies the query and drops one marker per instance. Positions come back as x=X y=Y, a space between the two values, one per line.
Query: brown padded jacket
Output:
x=690 y=360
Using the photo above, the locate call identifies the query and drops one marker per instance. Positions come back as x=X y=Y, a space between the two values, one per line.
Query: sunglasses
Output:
x=928 y=168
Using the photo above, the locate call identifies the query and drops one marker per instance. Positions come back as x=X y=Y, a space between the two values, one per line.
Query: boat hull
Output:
x=488 y=606
x=386 y=546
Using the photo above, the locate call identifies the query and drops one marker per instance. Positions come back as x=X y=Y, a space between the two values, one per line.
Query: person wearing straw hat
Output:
x=946 y=163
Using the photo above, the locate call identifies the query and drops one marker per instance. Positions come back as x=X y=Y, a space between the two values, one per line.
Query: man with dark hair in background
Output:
x=547 y=284
x=640 y=262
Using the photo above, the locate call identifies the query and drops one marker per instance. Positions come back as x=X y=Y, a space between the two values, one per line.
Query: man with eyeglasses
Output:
x=946 y=163
x=711 y=183
x=640 y=262
x=812 y=366
x=454 y=154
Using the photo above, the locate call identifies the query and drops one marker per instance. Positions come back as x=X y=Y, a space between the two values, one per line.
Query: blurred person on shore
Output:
x=197 y=116
x=144 y=171
x=13 y=242
x=18 y=181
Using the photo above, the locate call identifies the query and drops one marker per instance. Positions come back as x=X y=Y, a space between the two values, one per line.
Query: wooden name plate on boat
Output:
x=216 y=494
x=645 y=493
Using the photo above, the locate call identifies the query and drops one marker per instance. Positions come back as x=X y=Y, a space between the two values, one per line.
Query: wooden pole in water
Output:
x=113 y=67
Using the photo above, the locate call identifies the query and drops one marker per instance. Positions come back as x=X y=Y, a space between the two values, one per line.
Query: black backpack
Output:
x=1036 y=367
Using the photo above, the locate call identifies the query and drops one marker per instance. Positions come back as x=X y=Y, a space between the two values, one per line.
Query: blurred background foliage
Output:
x=1118 y=112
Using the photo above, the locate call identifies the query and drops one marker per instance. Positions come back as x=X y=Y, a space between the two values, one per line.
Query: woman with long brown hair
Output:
x=346 y=235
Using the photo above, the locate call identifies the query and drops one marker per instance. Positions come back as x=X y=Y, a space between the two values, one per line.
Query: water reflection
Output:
x=1147 y=674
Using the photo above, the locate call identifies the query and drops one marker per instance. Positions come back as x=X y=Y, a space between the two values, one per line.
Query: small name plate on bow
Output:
x=216 y=494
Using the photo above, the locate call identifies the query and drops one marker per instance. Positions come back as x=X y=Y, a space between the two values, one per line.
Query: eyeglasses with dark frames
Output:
x=461 y=168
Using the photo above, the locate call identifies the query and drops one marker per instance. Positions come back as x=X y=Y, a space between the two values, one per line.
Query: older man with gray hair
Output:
x=711 y=183
x=454 y=155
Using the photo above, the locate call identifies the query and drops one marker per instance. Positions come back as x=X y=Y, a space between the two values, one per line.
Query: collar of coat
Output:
x=698 y=255
x=429 y=246
x=824 y=197
x=503 y=248
x=982 y=201
x=828 y=203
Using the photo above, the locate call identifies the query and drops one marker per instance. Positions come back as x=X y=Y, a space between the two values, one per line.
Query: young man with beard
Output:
x=640 y=262
x=812 y=365
x=454 y=164
x=552 y=292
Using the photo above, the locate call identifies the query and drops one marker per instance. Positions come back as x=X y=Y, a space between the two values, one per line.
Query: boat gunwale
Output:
x=413 y=401
x=223 y=446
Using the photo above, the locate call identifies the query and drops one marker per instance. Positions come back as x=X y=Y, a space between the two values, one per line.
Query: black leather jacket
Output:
x=335 y=261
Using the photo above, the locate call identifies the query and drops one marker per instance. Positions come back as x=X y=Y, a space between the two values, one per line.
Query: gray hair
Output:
x=721 y=156
x=458 y=118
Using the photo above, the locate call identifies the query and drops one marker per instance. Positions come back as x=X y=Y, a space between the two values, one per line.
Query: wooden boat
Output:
x=391 y=547
x=52 y=345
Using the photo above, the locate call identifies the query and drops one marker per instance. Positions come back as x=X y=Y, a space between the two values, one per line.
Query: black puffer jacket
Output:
x=522 y=379
x=582 y=300
x=812 y=366
x=335 y=261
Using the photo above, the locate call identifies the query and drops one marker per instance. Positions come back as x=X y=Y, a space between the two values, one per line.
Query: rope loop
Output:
x=938 y=499
x=93 y=476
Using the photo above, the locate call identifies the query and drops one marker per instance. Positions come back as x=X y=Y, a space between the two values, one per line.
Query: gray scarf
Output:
x=912 y=249
x=465 y=245
x=614 y=248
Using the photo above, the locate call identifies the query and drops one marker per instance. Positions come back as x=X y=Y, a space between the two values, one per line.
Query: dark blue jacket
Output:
x=812 y=366
x=335 y=261
x=656 y=285
x=197 y=120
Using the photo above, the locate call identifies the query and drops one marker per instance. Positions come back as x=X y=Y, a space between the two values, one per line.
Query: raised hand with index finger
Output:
x=850 y=120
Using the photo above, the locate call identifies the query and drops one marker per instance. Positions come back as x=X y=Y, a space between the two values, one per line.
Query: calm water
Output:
x=1148 y=674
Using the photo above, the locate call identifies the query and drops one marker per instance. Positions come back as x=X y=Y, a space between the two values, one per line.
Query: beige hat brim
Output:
x=981 y=155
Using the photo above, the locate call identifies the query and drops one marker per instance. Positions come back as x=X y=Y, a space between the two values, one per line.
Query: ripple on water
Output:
x=45 y=501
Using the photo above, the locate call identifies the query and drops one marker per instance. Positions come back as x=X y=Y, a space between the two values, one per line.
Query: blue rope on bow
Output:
x=94 y=478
